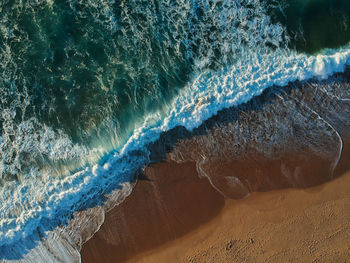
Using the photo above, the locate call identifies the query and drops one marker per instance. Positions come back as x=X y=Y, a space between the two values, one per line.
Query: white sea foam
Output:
x=32 y=202
x=208 y=93
x=211 y=91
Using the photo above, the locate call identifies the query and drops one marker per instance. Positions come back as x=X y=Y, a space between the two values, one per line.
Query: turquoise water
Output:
x=82 y=81
x=94 y=69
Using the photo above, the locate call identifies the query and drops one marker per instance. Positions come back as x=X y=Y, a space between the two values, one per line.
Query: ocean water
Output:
x=86 y=85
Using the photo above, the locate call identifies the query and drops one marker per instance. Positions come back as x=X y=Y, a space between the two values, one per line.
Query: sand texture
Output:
x=263 y=182
x=292 y=225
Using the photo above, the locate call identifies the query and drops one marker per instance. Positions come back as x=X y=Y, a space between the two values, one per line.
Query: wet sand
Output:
x=169 y=201
x=292 y=225
x=191 y=204
x=174 y=215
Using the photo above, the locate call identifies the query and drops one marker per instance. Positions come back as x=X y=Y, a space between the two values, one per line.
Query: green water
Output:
x=315 y=24
x=78 y=77
x=93 y=69
x=80 y=70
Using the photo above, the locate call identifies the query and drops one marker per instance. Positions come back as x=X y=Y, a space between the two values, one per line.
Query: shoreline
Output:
x=171 y=204
x=162 y=213
x=194 y=103
x=183 y=217
x=195 y=175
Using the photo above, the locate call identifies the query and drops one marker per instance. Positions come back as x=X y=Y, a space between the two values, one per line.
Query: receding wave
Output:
x=75 y=119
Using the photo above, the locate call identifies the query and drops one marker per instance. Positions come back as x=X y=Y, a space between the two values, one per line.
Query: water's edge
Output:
x=88 y=222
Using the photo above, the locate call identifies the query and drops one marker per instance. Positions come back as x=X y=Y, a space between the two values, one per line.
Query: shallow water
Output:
x=85 y=85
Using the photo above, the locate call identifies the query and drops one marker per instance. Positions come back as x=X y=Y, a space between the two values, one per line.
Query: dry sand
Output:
x=178 y=217
x=291 y=225
x=173 y=215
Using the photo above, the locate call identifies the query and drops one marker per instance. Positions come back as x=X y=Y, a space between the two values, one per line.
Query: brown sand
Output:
x=173 y=201
x=175 y=216
x=291 y=225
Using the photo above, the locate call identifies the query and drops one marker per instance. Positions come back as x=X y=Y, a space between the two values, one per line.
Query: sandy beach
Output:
x=174 y=131
x=292 y=225
x=174 y=216
x=214 y=195
x=245 y=186
x=167 y=207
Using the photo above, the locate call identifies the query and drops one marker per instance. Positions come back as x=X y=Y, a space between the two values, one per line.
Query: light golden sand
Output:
x=293 y=225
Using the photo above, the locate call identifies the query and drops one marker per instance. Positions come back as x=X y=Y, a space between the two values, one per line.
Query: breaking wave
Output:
x=75 y=119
